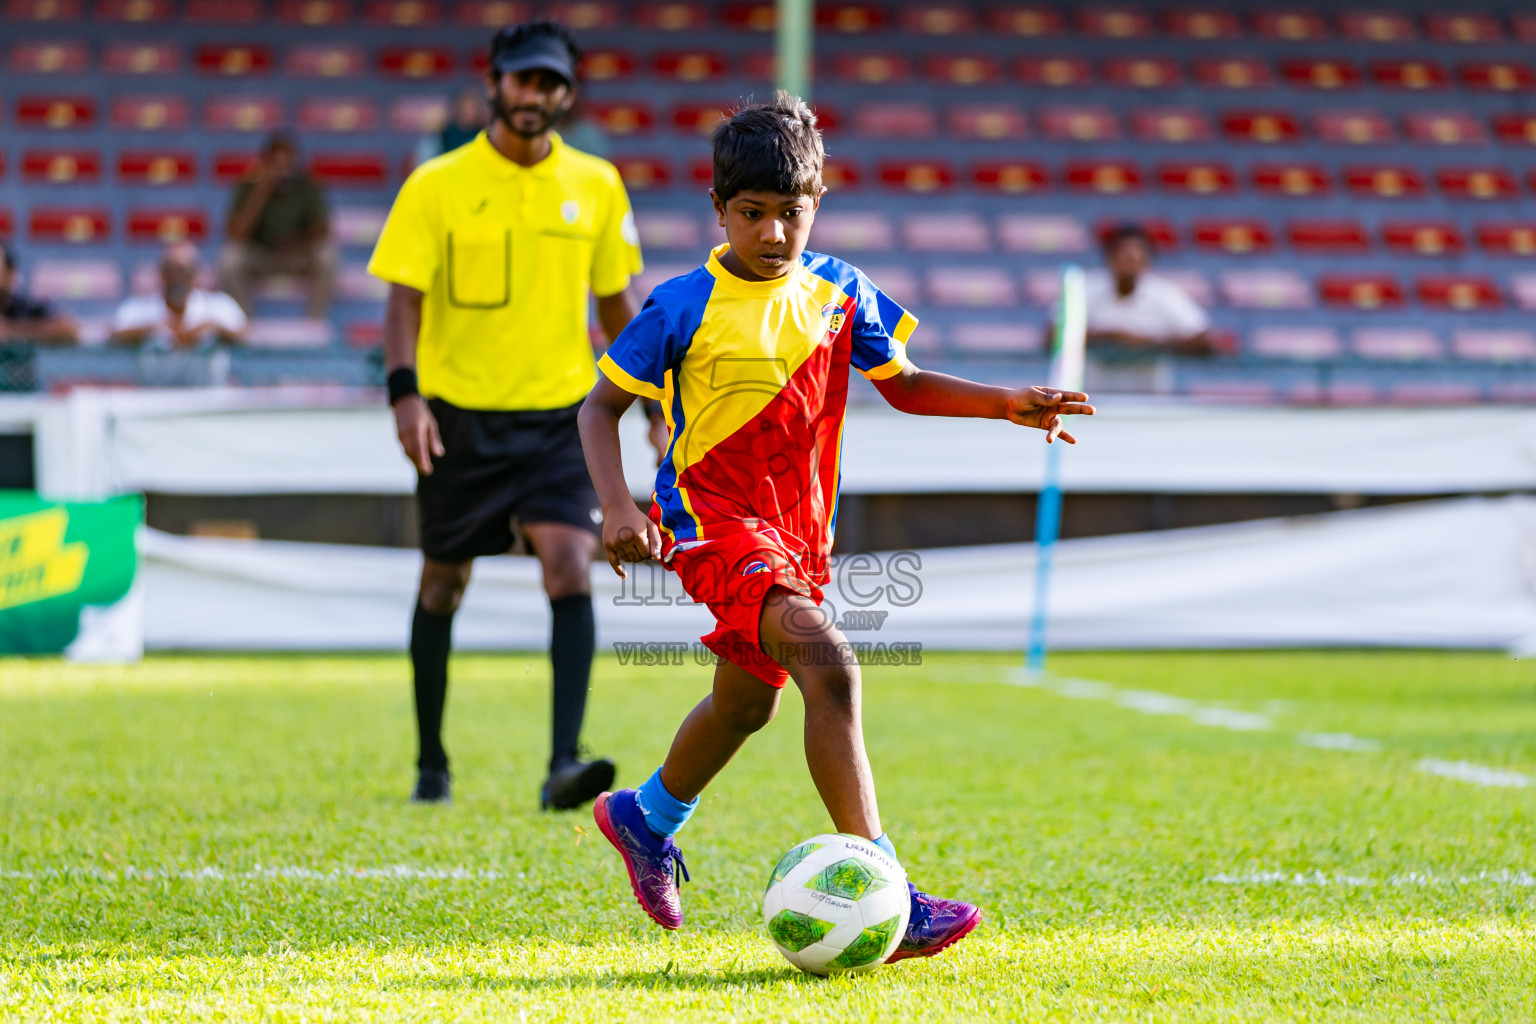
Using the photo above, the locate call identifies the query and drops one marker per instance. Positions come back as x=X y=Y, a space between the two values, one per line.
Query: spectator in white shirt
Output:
x=1129 y=308
x=181 y=316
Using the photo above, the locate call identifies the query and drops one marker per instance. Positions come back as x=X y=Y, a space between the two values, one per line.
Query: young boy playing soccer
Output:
x=750 y=355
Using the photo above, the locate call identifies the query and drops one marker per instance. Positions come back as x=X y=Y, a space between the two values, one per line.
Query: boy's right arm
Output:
x=628 y=535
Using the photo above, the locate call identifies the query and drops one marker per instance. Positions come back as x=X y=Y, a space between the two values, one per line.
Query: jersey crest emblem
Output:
x=834 y=314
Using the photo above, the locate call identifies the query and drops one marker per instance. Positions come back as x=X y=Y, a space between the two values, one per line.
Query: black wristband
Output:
x=402 y=384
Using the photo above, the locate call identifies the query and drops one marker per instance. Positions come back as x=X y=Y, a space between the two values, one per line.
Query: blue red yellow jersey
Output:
x=753 y=377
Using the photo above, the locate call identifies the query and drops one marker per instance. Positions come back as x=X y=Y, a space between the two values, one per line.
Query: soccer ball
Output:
x=837 y=904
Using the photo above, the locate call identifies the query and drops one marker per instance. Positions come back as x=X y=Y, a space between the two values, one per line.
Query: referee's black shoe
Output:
x=572 y=783
x=433 y=786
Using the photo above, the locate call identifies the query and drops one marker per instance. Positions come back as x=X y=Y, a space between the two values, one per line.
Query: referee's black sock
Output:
x=431 y=638
x=572 y=639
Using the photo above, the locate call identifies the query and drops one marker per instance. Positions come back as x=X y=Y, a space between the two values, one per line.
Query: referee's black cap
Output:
x=537 y=45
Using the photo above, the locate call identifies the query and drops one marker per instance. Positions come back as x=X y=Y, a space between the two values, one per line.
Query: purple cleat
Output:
x=654 y=862
x=935 y=925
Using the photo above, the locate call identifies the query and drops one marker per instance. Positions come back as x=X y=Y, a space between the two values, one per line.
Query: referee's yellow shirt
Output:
x=507 y=257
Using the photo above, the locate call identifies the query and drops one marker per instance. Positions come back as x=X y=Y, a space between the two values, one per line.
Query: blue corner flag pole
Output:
x=1067 y=374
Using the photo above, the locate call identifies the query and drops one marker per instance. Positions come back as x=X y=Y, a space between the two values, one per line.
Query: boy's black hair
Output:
x=769 y=147
x=513 y=37
x=1124 y=233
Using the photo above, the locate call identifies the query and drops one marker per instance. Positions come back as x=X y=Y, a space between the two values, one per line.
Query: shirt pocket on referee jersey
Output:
x=480 y=269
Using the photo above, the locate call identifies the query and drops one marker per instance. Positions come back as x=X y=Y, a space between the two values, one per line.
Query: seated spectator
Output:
x=24 y=319
x=1131 y=309
x=279 y=226
x=182 y=315
x=468 y=114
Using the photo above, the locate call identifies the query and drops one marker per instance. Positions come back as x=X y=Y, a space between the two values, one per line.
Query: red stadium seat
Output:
x=1331 y=237
x=142 y=58
x=1270 y=126
x=1294 y=180
x=1012 y=176
x=43 y=10
x=606 y=65
x=850 y=18
x=1107 y=177
x=699 y=117
x=1265 y=289
x=689 y=66
x=1403 y=344
x=77 y=280
x=1519 y=129
x=938 y=19
x=895 y=121
x=1233 y=73
x=150 y=113
x=919 y=176
x=1114 y=22
x=76 y=225
x=855 y=231
x=1303 y=343
x=402 y=13
x=1354 y=127
x=1320 y=73
x=753 y=17
x=1465 y=28
x=40 y=58
x=1042 y=233
x=156 y=167
x=1361 y=291
x=987 y=121
x=983 y=286
x=337 y=114
x=946 y=232
x=622 y=119
x=415 y=62
x=232 y=168
x=364 y=334
x=60 y=167
x=222 y=12
x=1507 y=239
x=234 y=61
x=2 y=163
x=1497 y=76
x=1030 y=21
x=1486 y=183
x=1079 y=124
x=1238 y=237
x=1201 y=179
x=57 y=113
x=871 y=68
x=243 y=114
x=1423 y=238
x=7 y=224
x=359 y=170
x=672 y=16
x=758 y=65
x=1415 y=75
x=1384 y=182
x=1377 y=26
x=969 y=70
x=134 y=12
x=1290 y=25
x=418 y=115
x=586 y=15
x=1141 y=72
x=489 y=14
x=1202 y=23
x=325 y=60
x=1494 y=346
x=166 y=226
x=838 y=174
x=1525 y=27
x=643 y=173
x=1055 y=72
x=314 y=13
x=1445 y=128
x=1458 y=291
x=1171 y=124
x=1162 y=232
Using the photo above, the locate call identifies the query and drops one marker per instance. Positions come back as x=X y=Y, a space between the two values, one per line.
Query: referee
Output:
x=492 y=252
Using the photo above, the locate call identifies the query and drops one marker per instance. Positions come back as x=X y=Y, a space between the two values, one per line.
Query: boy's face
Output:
x=767 y=230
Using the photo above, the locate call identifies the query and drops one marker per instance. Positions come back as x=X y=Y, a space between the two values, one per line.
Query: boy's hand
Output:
x=629 y=536
x=1044 y=408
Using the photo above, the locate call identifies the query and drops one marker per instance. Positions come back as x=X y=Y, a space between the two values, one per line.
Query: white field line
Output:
x=1218 y=716
x=1301 y=879
x=392 y=873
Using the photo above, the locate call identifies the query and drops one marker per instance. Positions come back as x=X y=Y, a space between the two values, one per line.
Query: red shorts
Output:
x=731 y=575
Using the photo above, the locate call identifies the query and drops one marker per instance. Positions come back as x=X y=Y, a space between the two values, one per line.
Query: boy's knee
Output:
x=749 y=714
x=835 y=686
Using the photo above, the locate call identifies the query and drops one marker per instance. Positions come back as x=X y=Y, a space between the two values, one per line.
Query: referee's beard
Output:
x=506 y=114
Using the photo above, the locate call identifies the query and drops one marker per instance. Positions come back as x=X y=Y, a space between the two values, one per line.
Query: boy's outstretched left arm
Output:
x=925 y=393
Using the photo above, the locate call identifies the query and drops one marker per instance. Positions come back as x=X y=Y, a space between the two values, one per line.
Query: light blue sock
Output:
x=664 y=813
x=883 y=840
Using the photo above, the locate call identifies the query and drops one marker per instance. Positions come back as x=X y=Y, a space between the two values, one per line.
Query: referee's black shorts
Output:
x=498 y=467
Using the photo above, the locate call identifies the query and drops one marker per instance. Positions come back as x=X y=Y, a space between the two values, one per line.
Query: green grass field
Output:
x=1304 y=836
